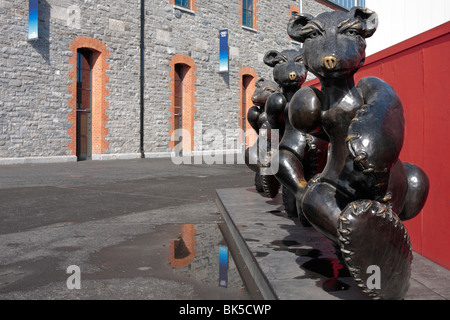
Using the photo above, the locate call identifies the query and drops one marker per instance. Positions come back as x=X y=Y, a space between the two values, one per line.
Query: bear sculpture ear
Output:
x=366 y=16
x=272 y=58
x=295 y=25
x=259 y=82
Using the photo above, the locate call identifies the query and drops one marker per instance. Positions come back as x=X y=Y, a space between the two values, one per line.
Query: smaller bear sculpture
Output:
x=258 y=118
x=300 y=154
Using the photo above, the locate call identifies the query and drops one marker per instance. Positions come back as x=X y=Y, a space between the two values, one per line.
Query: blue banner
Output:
x=33 y=19
x=223 y=53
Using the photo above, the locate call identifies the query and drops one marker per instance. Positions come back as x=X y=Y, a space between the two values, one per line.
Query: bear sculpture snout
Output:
x=292 y=76
x=329 y=62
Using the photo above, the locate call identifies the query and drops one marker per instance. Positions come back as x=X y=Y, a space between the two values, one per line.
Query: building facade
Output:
x=107 y=80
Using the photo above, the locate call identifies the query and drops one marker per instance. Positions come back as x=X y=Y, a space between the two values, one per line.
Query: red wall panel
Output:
x=436 y=216
x=419 y=71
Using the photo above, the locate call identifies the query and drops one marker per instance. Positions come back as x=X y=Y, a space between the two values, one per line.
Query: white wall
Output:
x=403 y=19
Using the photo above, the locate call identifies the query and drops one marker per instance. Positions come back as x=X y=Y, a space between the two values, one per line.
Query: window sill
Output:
x=184 y=9
x=249 y=29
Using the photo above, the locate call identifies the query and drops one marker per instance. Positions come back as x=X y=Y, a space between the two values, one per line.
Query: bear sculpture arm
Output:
x=253 y=115
x=376 y=133
x=274 y=107
x=305 y=112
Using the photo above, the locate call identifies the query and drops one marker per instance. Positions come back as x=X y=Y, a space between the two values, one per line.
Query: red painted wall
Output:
x=419 y=71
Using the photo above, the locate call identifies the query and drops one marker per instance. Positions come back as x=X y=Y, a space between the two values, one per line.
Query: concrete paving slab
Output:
x=291 y=261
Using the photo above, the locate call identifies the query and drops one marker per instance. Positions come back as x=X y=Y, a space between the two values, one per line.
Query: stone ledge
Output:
x=23 y=160
x=289 y=261
x=116 y=156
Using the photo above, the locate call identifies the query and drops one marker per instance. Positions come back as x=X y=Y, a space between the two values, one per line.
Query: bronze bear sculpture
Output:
x=364 y=191
x=308 y=151
x=258 y=118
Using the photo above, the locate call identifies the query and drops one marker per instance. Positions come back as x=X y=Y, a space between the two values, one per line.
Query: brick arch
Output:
x=293 y=8
x=246 y=71
x=99 y=93
x=189 y=98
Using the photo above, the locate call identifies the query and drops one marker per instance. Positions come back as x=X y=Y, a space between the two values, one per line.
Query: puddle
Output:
x=30 y=274
x=200 y=253
x=192 y=255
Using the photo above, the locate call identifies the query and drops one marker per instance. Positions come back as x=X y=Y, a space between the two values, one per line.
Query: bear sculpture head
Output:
x=334 y=42
x=288 y=69
x=263 y=89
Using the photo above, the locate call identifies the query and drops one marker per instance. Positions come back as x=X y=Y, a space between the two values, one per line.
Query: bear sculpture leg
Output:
x=370 y=236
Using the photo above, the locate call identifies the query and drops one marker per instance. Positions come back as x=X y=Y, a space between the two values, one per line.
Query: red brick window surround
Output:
x=254 y=16
x=186 y=98
x=293 y=9
x=99 y=94
x=192 y=5
x=247 y=77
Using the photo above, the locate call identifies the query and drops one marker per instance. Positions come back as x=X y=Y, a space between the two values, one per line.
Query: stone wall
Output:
x=171 y=30
x=36 y=75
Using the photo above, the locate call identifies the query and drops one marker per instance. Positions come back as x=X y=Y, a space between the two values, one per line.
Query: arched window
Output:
x=247 y=82
x=88 y=102
x=84 y=104
x=182 y=85
x=293 y=10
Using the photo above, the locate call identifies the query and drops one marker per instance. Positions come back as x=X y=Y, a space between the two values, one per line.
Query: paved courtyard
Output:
x=134 y=229
x=118 y=222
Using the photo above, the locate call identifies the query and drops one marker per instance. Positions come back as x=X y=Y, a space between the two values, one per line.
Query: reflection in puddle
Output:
x=200 y=252
x=183 y=249
x=223 y=266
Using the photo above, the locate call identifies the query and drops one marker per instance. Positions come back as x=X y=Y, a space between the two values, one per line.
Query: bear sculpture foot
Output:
x=270 y=185
x=376 y=249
